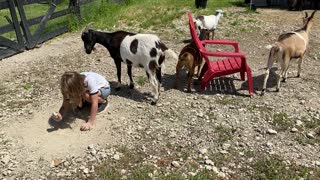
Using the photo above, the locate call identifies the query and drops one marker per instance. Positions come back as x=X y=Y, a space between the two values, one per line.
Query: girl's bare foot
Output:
x=56 y=116
x=86 y=126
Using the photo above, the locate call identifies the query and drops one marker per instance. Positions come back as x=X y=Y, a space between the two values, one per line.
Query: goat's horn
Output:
x=87 y=27
x=306 y=14
x=313 y=13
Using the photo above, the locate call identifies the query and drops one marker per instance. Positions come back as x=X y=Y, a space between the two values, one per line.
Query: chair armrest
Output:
x=223 y=42
x=223 y=54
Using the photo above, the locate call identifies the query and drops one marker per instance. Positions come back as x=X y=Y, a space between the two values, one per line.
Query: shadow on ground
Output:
x=79 y=113
x=221 y=85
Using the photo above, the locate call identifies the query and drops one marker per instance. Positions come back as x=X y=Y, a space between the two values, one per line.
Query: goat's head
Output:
x=198 y=25
x=308 y=19
x=219 y=11
x=88 y=39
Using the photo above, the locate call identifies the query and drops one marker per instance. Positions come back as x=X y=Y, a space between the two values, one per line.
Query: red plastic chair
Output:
x=233 y=62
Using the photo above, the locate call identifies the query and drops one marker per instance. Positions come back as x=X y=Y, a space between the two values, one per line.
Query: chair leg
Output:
x=249 y=78
x=206 y=78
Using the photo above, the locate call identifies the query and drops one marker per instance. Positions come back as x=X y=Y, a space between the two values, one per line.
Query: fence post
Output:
x=75 y=6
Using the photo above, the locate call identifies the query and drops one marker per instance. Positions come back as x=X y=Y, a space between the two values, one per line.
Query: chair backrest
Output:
x=193 y=33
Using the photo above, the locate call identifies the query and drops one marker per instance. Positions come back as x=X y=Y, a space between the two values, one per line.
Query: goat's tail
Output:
x=273 y=55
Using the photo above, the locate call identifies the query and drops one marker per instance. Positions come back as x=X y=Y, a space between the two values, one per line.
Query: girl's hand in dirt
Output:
x=86 y=126
x=56 y=116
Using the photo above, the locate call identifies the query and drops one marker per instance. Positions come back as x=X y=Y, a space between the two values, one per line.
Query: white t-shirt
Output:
x=93 y=82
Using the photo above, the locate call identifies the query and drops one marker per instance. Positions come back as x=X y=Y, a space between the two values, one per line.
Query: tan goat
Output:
x=291 y=45
x=190 y=58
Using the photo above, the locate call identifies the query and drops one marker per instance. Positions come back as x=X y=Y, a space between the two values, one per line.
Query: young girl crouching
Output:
x=77 y=88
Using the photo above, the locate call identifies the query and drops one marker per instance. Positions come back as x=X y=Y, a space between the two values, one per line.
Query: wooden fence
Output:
x=20 y=24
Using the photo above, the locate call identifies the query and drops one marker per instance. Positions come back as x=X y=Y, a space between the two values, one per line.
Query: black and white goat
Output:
x=291 y=45
x=208 y=23
x=143 y=50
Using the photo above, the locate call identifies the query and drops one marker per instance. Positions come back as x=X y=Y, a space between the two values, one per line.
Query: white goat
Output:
x=208 y=23
x=291 y=45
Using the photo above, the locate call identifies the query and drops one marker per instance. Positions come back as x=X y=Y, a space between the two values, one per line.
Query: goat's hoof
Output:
x=117 y=88
x=298 y=75
x=262 y=92
x=153 y=103
x=131 y=86
x=189 y=90
x=278 y=89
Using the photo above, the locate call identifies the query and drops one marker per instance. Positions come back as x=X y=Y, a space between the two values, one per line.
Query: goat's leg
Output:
x=190 y=75
x=154 y=84
x=284 y=67
x=266 y=76
x=267 y=72
x=178 y=69
x=129 y=71
x=299 y=66
x=118 y=66
x=159 y=78
x=285 y=76
x=279 y=76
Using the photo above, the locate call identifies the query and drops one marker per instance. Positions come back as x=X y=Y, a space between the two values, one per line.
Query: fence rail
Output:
x=20 y=25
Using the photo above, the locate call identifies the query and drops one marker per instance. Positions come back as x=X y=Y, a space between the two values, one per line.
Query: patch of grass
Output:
x=132 y=13
x=243 y=29
x=235 y=23
x=225 y=100
x=281 y=121
x=109 y=173
x=142 y=172
x=204 y=174
x=224 y=133
x=263 y=109
x=142 y=80
x=273 y=167
x=27 y=86
x=227 y=34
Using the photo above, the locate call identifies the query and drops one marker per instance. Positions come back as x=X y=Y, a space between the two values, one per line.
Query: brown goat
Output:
x=291 y=45
x=190 y=58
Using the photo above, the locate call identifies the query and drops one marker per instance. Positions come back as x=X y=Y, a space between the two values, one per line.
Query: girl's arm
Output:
x=59 y=116
x=93 y=112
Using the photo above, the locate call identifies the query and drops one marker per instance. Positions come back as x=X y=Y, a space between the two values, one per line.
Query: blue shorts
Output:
x=105 y=92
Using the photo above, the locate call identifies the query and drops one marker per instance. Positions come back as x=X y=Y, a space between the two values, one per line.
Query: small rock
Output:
x=310 y=135
x=269 y=46
x=56 y=162
x=203 y=151
x=299 y=123
x=269 y=144
x=294 y=130
x=175 y=164
x=192 y=174
x=116 y=157
x=272 y=132
x=86 y=170
x=5 y=160
x=208 y=167
x=209 y=162
x=91 y=146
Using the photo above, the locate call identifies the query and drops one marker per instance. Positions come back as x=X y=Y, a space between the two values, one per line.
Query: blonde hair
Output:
x=72 y=87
